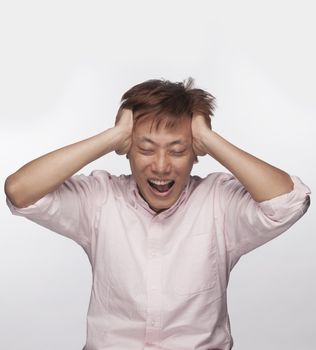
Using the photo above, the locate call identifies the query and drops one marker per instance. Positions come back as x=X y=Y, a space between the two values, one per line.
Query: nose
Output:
x=161 y=164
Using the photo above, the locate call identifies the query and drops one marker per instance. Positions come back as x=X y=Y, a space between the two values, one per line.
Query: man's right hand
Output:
x=124 y=125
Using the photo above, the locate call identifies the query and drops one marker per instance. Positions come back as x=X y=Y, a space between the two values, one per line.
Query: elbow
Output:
x=288 y=183
x=283 y=185
x=12 y=192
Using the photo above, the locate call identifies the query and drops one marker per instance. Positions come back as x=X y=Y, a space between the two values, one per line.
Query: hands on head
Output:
x=201 y=128
x=124 y=123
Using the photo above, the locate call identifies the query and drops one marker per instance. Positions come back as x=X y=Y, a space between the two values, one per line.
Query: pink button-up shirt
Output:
x=159 y=280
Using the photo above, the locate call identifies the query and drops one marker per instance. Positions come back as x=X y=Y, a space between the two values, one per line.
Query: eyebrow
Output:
x=175 y=142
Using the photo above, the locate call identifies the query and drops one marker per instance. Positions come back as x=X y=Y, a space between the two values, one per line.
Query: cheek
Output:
x=139 y=163
x=184 y=165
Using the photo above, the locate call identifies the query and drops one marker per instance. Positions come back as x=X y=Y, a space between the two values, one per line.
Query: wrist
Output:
x=121 y=140
x=111 y=138
x=205 y=136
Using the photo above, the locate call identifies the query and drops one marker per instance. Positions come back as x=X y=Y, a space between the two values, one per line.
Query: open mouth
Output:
x=161 y=186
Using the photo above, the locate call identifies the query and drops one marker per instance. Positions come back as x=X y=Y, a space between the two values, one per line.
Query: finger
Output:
x=118 y=115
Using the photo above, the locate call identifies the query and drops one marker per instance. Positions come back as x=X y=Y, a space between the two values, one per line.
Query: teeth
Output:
x=160 y=182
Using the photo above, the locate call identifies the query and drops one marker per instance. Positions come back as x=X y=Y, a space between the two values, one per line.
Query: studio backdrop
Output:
x=64 y=66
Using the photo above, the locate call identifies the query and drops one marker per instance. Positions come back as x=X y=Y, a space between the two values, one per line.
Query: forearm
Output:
x=44 y=174
x=262 y=180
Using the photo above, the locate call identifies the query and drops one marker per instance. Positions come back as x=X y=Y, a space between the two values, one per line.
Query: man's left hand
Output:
x=200 y=129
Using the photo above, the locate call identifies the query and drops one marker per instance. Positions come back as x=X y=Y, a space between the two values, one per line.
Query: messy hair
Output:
x=163 y=100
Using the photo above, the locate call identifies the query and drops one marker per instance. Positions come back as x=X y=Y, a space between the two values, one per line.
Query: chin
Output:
x=158 y=210
x=163 y=206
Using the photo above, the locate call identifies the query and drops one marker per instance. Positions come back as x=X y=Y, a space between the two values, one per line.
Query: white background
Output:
x=64 y=66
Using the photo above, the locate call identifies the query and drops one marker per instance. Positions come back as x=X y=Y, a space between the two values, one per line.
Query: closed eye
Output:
x=177 y=153
x=150 y=152
x=146 y=151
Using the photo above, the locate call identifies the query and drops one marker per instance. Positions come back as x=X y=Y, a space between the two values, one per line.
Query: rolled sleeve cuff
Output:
x=42 y=205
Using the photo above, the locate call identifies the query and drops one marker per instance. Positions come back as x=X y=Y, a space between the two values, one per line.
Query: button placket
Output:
x=154 y=270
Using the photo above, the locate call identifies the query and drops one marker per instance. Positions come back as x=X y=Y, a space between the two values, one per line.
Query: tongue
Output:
x=161 y=188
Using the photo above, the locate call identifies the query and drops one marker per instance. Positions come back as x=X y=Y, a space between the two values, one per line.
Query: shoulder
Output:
x=212 y=185
x=218 y=185
x=212 y=180
x=118 y=184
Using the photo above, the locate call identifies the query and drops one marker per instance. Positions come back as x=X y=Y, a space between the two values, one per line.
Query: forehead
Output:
x=149 y=129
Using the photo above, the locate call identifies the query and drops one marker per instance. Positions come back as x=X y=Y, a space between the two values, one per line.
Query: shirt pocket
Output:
x=194 y=269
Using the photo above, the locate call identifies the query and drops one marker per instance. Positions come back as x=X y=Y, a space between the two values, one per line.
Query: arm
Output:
x=262 y=180
x=44 y=174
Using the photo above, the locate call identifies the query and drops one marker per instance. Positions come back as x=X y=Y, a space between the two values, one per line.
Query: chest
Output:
x=177 y=254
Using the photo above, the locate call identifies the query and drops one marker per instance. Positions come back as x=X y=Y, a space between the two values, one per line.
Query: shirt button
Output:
x=152 y=323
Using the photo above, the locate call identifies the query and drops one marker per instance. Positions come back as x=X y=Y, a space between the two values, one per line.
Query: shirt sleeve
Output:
x=249 y=224
x=70 y=210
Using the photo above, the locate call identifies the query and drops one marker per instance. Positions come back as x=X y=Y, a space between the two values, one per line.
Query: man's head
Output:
x=161 y=156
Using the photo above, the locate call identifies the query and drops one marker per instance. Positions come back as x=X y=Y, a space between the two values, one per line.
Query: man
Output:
x=160 y=241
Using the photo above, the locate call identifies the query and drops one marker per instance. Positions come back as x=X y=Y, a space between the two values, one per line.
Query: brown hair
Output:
x=167 y=101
